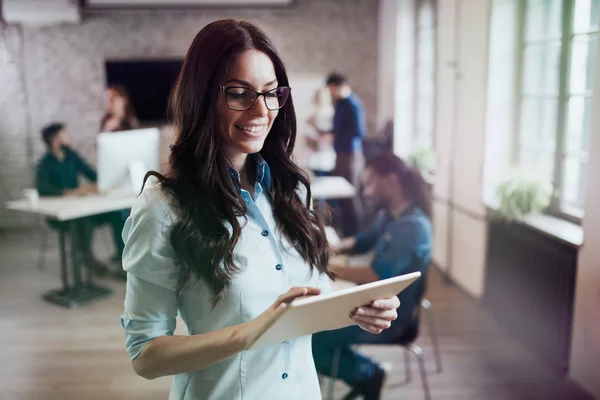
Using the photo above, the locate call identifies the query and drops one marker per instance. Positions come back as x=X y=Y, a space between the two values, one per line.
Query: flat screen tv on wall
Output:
x=149 y=83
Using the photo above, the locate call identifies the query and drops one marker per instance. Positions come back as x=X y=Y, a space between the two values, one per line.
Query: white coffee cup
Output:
x=31 y=195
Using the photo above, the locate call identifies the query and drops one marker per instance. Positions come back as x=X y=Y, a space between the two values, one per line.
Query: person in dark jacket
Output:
x=349 y=129
x=58 y=173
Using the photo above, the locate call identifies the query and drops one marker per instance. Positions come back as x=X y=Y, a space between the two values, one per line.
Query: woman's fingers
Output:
x=390 y=315
x=378 y=316
x=296 y=292
x=391 y=303
x=373 y=321
x=370 y=328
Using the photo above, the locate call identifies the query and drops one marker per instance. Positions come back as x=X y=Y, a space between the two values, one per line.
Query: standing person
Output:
x=57 y=174
x=349 y=128
x=119 y=115
x=401 y=240
x=227 y=239
x=322 y=158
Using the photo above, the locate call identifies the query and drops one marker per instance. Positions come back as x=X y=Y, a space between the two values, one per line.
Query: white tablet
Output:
x=313 y=314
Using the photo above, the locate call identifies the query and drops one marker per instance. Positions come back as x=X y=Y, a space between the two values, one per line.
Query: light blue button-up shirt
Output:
x=270 y=266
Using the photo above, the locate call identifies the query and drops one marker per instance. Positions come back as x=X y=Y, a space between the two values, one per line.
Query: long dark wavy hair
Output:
x=414 y=187
x=207 y=197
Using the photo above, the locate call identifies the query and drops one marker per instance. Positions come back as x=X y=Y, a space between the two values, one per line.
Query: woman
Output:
x=322 y=159
x=225 y=240
x=400 y=241
x=119 y=115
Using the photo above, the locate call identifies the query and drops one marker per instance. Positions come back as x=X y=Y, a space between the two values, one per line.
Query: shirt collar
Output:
x=263 y=172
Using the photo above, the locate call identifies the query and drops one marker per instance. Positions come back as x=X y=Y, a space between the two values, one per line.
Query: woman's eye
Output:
x=238 y=95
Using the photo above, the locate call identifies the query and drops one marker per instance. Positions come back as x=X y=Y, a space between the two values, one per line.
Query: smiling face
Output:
x=244 y=132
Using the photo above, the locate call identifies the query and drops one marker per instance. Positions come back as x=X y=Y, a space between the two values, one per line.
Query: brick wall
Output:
x=57 y=73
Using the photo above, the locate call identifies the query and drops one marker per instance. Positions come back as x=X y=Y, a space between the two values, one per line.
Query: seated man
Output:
x=57 y=174
x=401 y=240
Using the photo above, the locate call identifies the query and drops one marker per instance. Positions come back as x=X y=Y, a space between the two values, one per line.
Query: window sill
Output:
x=566 y=231
x=561 y=229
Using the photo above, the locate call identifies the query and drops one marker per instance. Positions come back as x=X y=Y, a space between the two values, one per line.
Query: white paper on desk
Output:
x=332 y=236
x=361 y=260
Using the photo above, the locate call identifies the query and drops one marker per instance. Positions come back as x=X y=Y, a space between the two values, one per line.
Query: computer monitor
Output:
x=124 y=157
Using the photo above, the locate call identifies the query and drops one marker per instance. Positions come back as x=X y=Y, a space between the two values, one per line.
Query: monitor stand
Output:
x=131 y=183
x=137 y=173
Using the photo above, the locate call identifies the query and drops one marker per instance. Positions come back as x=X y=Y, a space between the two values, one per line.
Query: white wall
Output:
x=57 y=73
x=585 y=356
x=463 y=36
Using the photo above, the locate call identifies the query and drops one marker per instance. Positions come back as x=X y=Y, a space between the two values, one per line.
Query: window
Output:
x=424 y=76
x=414 y=113
x=558 y=56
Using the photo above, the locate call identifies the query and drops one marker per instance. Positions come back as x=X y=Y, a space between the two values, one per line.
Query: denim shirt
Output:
x=269 y=267
x=401 y=245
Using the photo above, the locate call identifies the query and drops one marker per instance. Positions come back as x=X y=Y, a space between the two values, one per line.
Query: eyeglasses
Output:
x=239 y=98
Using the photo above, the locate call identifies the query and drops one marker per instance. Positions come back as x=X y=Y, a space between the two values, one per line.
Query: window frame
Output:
x=566 y=40
x=418 y=6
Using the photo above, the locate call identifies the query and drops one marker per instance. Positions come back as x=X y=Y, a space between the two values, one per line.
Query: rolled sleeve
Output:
x=152 y=276
x=150 y=312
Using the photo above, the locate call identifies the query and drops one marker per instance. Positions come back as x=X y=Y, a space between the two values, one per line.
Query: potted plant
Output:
x=423 y=159
x=521 y=194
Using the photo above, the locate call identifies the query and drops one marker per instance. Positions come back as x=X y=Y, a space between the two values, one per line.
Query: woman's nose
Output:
x=259 y=107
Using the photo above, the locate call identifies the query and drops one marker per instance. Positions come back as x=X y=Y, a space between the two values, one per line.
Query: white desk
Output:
x=69 y=208
x=70 y=211
x=331 y=187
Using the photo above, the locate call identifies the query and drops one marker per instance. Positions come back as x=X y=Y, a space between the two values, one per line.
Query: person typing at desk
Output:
x=401 y=240
x=57 y=174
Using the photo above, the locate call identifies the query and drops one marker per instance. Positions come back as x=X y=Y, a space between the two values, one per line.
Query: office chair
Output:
x=407 y=341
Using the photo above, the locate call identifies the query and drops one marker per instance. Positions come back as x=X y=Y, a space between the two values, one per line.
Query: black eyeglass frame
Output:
x=224 y=89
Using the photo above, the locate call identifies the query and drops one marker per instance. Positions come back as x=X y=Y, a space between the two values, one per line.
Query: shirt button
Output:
x=265 y=233
x=284 y=376
x=278 y=267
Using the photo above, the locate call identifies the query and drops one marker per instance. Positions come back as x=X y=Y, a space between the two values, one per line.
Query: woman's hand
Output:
x=378 y=315
x=253 y=329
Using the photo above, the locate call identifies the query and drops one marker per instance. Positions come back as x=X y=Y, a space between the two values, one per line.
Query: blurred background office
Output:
x=495 y=102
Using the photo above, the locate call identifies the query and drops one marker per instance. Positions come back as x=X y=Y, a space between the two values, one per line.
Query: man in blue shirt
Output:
x=349 y=128
x=401 y=241
x=57 y=174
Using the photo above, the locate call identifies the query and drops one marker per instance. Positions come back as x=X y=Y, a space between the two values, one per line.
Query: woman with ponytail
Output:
x=401 y=240
x=227 y=238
